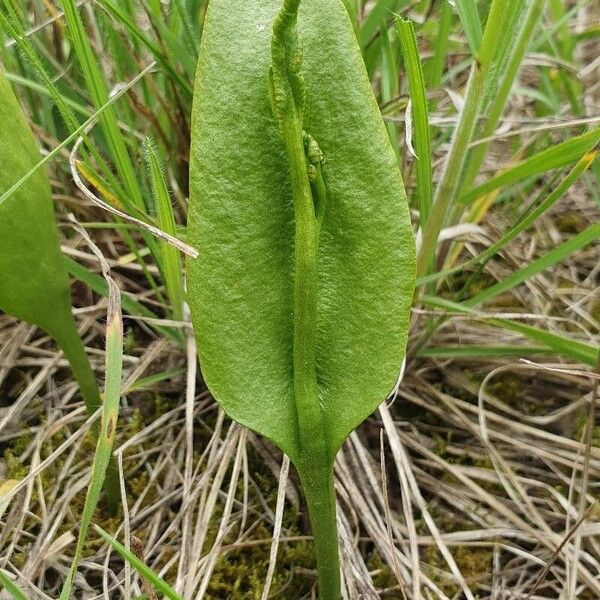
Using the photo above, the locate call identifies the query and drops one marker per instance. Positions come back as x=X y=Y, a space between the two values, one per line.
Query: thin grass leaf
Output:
x=159 y=584
x=469 y=17
x=579 y=351
x=483 y=352
x=110 y=413
x=7 y=584
x=585 y=353
x=526 y=221
x=129 y=304
x=74 y=135
x=177 y=50
x=171 y=262
x=449 y=184
x=435 y=68
x=97 y=89
x=148 y=382
x=420 y=116
x=556 y=156
x=518 y=42
x=156 y=52
x=376 y=21
x=564 y=250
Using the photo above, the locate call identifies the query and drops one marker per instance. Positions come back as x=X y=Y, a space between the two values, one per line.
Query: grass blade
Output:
x=554 y=157
x=7 y=584
x=420 y=116
x=159 y=56
x=469 y=17
x=110 y=412
x=582 y=165
x=579 y=351
x=171 y=262
x=559 y=253
x=159 y=584
x=97 y=89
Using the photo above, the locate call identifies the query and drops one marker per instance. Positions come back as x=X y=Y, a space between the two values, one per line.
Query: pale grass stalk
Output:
x=283 y=478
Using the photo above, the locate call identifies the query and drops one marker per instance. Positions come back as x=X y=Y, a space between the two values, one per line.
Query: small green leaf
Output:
x=34 y=285
x=159 y=584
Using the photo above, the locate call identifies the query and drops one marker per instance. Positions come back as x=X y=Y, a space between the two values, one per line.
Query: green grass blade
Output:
x=516 y=52
x=585 y=353
x=554 y=157
x=7 y=584
x=435 y=68
x=171 y=262
x=564 y=250
x=76 y=133
x=482 y=352
x=156 y=52
x=450 y=180
x=469 y=17
x=159 y=584
x=420 y=116
x=447 y=187
x=96 y=86
x=130 y=306
x=557 y=192
x=108 y=425
x=376 y=20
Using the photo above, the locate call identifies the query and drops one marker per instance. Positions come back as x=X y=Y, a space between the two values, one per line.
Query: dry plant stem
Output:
x=314 y=461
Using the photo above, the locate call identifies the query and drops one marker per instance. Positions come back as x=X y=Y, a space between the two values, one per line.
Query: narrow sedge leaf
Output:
x=241 y=291
x=114 y=10
x=376 y=21
x=420 y=116
x=159 y=584
x=585 y=353
x=469 y=17
x=34 y=285
x=108 y=425
x=482 y=352
x=564 y=250
x=130 y=306
x=170 y=260
x=99 y=93
x=7 y=584
x=435 y=68
x=554 y=157
x=526 y=221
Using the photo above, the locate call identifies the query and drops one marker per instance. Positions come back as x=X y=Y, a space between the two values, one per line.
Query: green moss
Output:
x=240 y=573
x=15 y=469
x=475 y=564
x=570 y=222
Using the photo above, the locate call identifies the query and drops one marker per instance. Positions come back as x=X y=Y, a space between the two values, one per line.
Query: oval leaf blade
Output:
x=242 y=222
x=34 y=285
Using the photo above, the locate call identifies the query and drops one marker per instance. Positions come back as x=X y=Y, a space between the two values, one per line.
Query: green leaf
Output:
x=108 y=426
x=159 y=584
x=561 y=344
x=34 y=285
x=420 y=116
x=467 y=11
x=241 y=290
x=7 y=584
x=554 y=157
